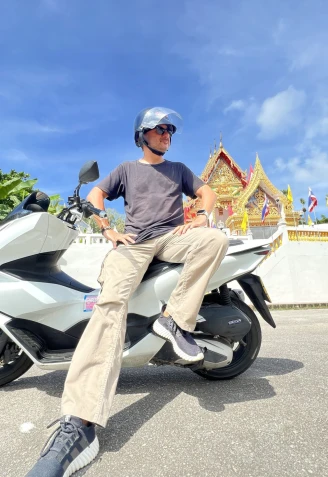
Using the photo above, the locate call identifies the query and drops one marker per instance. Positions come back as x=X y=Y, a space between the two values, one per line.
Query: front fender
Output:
x=256 y=292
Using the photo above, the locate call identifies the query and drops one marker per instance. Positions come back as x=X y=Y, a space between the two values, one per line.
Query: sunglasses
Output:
x=169 y=129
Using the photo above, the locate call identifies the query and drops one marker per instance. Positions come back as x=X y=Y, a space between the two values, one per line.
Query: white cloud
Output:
x=18 y=127
x=313 y=53
x=15 y=155
x=279 y=31
x=310 y=169
x=50 y=5
x=318 y=128
x=280 y=113
x=25 y=127
x=236 y=105
x=227 y=51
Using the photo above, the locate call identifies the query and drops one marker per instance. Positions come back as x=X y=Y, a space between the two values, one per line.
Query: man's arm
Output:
x=208 y=199
x=97 y=197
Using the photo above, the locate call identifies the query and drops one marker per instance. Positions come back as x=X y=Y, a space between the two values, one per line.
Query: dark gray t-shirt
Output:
x=152 y=195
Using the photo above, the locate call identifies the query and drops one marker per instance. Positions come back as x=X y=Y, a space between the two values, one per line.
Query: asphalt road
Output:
x=271 y=421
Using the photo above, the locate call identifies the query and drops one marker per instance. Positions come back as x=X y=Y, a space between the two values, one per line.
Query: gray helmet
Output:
x=149 y=118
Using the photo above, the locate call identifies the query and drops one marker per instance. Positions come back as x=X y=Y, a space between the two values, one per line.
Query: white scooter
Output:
x=43 y=311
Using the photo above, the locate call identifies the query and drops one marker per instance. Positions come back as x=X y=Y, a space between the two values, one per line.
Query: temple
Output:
x=236 y=193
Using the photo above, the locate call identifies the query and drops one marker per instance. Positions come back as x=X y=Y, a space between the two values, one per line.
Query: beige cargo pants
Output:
x=92 y=378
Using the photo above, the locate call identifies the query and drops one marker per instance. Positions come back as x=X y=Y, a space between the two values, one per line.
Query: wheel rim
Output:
x=239 y=353
x=10 y=354
x=240 y=350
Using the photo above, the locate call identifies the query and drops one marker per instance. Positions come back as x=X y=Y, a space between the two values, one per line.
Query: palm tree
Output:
x=302 y=201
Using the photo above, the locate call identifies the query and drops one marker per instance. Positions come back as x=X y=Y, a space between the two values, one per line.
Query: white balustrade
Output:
x=90 y=239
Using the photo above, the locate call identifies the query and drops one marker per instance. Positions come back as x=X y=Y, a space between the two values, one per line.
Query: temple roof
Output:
x=213 y=161
x=259 y=179
x=236 y=193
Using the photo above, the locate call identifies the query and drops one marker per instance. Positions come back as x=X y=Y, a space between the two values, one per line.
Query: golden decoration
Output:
x=229 y=182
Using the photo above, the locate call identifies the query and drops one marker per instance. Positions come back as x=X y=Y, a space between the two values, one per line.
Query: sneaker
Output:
x=183 y=343
x=70 y=447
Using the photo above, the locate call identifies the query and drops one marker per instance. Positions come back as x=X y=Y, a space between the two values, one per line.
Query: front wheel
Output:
x=13 y=363
x=243 y=354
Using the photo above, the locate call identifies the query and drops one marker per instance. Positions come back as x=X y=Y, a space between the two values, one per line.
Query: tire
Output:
x=16 y=367
x=243 y=356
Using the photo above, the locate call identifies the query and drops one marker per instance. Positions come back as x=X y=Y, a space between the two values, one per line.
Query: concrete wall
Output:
x=297 y=272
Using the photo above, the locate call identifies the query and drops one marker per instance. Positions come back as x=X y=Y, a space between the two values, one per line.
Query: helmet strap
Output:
x=154 y=151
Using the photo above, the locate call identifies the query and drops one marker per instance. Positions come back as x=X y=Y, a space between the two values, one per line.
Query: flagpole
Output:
x=313 y=202
x=315 y=218
x=316 y=223
x=266 y=212
x=290 y=199
x=271 y=235
x=296 y=226
x=269 y=226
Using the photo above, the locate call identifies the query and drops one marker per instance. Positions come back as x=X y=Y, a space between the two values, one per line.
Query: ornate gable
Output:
x=252 y=199
x=219 y=157
x=235 y=194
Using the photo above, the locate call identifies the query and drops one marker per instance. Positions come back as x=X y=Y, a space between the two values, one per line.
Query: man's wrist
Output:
x=103 y=229
x=203 y=212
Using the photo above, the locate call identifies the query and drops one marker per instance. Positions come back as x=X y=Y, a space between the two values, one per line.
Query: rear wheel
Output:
x=13 y=363
x=244 y=354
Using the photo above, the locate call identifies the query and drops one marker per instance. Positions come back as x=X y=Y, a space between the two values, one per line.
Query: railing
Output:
x=277 y=242
x=299 y=235
x=294 y=234
x=91 y=239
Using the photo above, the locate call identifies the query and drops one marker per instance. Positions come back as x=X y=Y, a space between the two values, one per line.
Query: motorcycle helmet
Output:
x=149 y=118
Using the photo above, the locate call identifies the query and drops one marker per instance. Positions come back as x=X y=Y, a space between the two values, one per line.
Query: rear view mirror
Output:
x=89 y=172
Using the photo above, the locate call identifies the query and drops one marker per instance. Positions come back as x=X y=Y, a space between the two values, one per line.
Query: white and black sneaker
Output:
x=71 y=447
x=183 y=343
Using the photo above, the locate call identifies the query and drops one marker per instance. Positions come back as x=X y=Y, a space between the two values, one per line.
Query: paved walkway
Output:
x=271 y=421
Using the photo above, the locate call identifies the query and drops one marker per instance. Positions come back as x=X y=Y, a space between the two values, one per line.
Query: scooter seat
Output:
x=157 y=267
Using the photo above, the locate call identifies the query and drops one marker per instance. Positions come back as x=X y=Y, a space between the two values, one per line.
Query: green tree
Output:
x=323 y=220
x=115 y=219
x=14 y=187
x=302 y=219
x=55 y=207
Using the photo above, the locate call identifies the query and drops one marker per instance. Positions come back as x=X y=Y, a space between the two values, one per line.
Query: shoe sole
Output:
x=84 y=458
x=162 y=332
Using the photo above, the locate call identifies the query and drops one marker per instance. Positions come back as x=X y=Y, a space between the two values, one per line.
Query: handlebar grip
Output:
x=102 y=214
x=93 y=210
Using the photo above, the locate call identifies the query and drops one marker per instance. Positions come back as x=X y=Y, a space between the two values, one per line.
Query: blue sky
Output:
x=74 y=74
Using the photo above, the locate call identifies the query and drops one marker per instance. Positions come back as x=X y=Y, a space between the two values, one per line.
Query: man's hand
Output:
x=200 y=221
x=115 y=237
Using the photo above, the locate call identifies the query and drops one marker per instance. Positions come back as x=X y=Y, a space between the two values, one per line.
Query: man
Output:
x=152 y=189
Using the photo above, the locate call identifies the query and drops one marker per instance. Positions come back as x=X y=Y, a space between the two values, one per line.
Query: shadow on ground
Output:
x=161 y=386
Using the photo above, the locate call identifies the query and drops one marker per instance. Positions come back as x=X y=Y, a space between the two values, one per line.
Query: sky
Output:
x=74 y=74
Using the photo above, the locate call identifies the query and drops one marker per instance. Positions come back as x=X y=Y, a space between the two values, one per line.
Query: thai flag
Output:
x=312 y=201
x=265 y=209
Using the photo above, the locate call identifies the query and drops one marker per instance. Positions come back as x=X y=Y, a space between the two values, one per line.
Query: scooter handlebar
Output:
x=89 y=208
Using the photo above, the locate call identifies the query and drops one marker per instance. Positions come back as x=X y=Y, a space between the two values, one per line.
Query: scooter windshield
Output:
x=36 y=202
